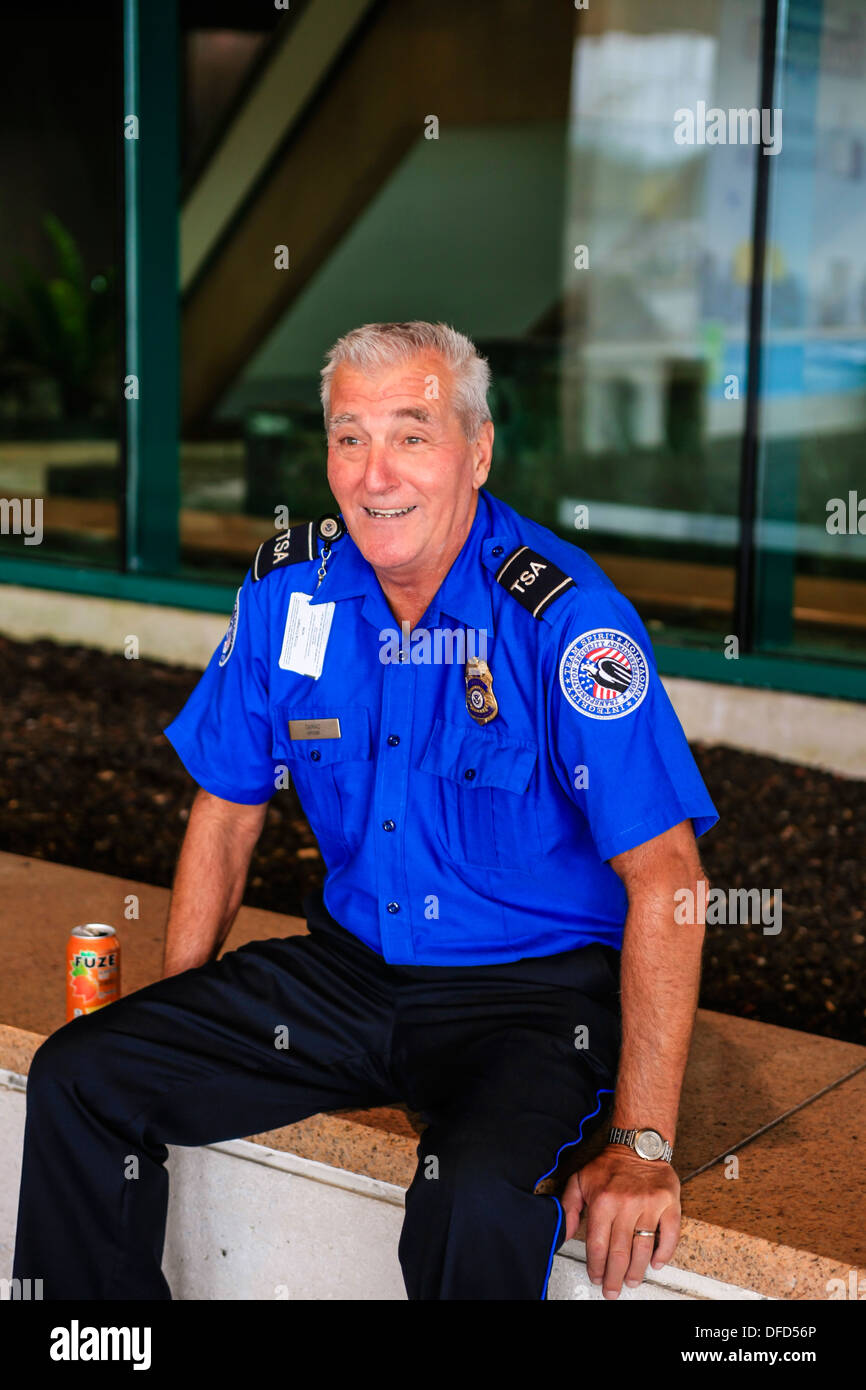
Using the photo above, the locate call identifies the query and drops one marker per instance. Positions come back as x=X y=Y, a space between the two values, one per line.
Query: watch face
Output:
x=649 y=1144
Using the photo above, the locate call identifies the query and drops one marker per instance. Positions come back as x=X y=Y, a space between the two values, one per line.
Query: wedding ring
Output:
x=645 y=1233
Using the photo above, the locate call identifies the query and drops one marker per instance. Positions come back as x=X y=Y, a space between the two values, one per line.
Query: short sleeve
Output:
x=616 y=743
x=223 y=733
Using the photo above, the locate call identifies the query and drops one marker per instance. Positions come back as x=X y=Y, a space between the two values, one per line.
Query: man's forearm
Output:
x=209 y=881
x=660 y=980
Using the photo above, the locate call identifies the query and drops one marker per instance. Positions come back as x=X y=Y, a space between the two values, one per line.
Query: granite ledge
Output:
x=383 y=1146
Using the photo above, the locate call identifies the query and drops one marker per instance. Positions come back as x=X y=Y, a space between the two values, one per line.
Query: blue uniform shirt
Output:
x=450 y=842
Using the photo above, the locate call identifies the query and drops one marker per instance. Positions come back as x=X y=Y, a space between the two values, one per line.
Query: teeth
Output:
x=395 y=511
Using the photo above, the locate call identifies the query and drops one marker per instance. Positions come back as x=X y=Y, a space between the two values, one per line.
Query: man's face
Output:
x=402 y=470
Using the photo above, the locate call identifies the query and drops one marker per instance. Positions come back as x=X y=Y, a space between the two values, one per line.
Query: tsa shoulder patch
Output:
x=604 y=674
x=286 y=548
x=231 y=631
x=536 y=583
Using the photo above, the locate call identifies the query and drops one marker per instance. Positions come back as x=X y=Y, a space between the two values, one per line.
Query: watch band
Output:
x=627 y=1136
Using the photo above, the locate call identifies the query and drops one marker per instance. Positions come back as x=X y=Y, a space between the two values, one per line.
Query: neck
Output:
x=409 y=596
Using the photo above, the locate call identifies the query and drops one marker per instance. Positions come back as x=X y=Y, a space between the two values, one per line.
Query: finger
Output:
x=572 y=1221
x=599 y=1219
x=669 y=1234
x=641 y=1250
x=573 y=1194
x=619 y=1252
x=572 y=1203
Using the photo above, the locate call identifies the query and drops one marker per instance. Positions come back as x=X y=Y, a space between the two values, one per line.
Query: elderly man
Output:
x=498 y=814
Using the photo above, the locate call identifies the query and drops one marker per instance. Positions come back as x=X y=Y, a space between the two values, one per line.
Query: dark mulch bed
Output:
x=87 y=778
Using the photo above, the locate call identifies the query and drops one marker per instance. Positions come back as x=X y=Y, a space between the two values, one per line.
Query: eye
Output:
x=410 y=437
x=346 y=438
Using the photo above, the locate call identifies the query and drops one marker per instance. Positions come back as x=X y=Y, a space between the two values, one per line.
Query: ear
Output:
x=483 y=450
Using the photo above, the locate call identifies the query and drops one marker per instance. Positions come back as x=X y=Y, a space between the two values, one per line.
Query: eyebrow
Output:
x=413 y=412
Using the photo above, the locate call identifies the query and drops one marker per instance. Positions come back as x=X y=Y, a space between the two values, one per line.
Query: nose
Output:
x=380 y=475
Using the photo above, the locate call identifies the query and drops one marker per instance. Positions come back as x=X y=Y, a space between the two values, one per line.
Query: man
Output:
x=494 y=827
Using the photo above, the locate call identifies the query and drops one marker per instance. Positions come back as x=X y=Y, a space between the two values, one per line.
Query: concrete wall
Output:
x=247 y=1222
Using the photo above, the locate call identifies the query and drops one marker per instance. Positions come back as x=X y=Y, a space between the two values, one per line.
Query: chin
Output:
x=380 y=548
x=385 y=555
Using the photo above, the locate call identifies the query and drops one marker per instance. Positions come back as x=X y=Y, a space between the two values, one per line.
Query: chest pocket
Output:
x=333 y=776
x=485 y=811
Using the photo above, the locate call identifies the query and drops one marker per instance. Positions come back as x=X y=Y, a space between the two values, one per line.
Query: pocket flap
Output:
x=353 y=745
x=490 y=759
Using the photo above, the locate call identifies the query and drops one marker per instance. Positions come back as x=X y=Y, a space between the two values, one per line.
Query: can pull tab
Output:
x=329 y=528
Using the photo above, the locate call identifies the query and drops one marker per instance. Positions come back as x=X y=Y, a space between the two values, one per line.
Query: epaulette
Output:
x=536 y=583
x=298 y=543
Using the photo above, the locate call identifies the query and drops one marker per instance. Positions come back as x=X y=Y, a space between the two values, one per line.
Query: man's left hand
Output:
x=623 y=1193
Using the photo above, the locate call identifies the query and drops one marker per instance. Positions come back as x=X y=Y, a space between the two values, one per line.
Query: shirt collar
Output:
x=464 y=593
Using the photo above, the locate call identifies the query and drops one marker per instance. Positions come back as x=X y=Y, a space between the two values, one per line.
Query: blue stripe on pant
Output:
x=486 y=1054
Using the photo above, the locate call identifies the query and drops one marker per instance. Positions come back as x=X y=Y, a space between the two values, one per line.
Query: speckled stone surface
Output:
x=742 y=1074
x=790 y=1223
x=397 y=1119
x=42 y=902
x=17 y=1048
x=751 y=1262
x=801 y=1183
x=361 y=1148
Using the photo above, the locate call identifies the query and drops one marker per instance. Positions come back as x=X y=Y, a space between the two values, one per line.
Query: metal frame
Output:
x=789 y=225
x=744 y=611
x=152 y=426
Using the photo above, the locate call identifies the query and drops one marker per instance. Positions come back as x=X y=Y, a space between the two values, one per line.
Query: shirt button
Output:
x=315 y=755
x=469 y=773
x=387 y=825
x=497 y=550
x=393 y=907
x=393 y=740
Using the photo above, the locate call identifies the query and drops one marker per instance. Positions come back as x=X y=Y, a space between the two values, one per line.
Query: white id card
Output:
x=306 y=636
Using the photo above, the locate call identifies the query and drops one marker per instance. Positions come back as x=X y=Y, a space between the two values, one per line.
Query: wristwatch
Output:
x=647 y=1143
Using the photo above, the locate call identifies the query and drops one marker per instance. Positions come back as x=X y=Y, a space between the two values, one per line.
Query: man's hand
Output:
x=623 y=1193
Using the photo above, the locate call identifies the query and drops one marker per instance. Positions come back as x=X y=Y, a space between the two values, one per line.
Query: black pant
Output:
x=491 y=1056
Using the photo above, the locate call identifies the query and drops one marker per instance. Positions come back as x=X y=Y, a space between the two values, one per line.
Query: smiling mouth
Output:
x=389 y=511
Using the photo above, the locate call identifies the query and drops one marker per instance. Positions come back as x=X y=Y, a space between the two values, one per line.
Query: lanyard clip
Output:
x=329 y=528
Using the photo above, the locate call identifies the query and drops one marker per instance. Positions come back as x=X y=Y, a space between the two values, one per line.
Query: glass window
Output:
x=655 y=302
x=233 y=114
x=60 y=282
x=811 y=571
x=590 y=226
x=613 y=421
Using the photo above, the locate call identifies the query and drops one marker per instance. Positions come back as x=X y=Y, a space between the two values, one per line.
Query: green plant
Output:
x=59 y=328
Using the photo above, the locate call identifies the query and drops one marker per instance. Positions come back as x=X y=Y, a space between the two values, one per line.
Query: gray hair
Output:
x=377 y=345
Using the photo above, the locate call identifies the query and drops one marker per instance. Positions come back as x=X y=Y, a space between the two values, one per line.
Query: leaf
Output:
x=68 y=255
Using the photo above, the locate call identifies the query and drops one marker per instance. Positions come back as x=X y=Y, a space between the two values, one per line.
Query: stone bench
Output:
x=313 y=1210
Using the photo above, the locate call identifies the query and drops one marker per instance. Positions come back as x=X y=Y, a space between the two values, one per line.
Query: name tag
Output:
x=314 y=728
x=306 y=636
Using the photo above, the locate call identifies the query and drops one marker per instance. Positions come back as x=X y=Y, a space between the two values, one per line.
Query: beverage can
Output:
x=92 y=969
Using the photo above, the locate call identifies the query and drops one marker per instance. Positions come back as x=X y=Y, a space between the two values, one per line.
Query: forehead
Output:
x=402 y=383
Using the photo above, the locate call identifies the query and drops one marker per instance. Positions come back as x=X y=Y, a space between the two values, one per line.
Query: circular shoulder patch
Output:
x=604 y=674
x=231 y=631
